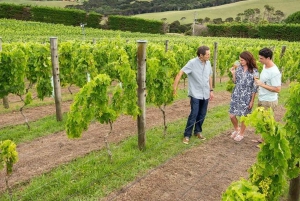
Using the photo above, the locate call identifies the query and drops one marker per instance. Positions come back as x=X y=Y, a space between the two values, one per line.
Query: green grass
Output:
x=41 y=3
x=93 y=176
x=230 y=10
x=42 y=127
x=15 y=106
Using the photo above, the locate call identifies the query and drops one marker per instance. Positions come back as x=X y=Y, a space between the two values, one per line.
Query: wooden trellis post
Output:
x=141 y=80
x=56 y=80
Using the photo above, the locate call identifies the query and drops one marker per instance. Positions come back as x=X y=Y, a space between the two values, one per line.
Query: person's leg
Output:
x=234 y=122
x=192 y=117
x=243 y=128
x=203 y=104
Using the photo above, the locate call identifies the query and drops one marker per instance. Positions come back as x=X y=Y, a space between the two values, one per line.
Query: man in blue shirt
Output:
x=200 y=91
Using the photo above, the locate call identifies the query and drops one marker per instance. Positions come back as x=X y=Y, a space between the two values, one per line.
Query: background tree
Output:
x=183 y=19
x=229 y=19
x=237 y=19
x=200 y=20
x=279 y=15
x=217 y=21
x=268 y=11
x=174 y=27
x=293 y=18
x=249 y=14
x=206 y=19
x=241 y=16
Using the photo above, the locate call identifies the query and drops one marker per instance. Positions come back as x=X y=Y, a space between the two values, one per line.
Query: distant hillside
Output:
x=225 y=11
x=130 y=7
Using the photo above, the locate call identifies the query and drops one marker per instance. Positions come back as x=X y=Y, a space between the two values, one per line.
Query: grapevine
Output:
x=270 y=171
x=161 y=70
x=292 y=127
x=8 y=157
x=242 y=190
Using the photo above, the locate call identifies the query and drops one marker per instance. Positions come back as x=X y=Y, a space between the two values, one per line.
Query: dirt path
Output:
x=201 y=173
x=43 y=154
x=33 y=113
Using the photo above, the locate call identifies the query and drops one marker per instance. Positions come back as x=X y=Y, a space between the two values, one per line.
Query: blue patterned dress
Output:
x=242 y=92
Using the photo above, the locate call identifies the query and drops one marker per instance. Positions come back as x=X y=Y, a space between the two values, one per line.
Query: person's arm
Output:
x=176 y=81
x=252 y=100
x=211 y=89
x=232 y=70
x=275 y=89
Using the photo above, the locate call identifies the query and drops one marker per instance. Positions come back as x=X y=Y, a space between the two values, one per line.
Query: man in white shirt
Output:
x=269 y=82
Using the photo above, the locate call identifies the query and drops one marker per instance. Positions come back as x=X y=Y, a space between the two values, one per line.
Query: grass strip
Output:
x=40 y=128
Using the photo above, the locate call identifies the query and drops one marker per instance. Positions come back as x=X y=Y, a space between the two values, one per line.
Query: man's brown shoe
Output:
x=186 y=140
x=200 y=136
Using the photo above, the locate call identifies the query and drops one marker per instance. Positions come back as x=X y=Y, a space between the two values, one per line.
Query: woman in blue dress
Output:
x=244 y=92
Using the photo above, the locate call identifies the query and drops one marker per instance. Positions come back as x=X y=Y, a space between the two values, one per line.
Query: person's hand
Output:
x=211 y=96
x=258 y=82
x=250 y=105
x=232 y=70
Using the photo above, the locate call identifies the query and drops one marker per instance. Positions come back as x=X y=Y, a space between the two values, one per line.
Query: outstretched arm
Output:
x=252 y=101
x=176 y=81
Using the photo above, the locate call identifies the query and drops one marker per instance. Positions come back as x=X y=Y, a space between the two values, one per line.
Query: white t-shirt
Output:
x=272 y=77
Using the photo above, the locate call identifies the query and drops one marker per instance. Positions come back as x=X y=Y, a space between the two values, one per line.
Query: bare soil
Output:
x=201 y=173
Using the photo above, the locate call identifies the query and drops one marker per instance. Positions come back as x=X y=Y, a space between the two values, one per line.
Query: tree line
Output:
x=129 y=7
x=251 y=15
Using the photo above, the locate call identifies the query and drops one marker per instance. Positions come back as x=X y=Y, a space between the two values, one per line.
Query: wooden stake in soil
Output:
x=141 y=81
x=56 y=81
x=215 y=64
x=283 y=49
x=294 y=190
x=166 y=45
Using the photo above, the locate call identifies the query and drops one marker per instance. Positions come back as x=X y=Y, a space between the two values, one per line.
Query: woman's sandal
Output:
x=258 y=141
x=238 y=137
x=234 y=133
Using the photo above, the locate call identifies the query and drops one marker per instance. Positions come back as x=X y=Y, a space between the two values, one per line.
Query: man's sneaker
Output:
x=186 y=140
x=200 y=136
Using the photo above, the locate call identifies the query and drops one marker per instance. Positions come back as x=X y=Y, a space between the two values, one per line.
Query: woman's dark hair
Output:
x=202 y=50
x=248 y=57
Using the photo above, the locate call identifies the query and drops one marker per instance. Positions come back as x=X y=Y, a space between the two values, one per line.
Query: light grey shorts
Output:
x=268 y=104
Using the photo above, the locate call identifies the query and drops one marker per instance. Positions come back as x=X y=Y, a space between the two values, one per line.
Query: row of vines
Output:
x=105 y=70
x=24 y=65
